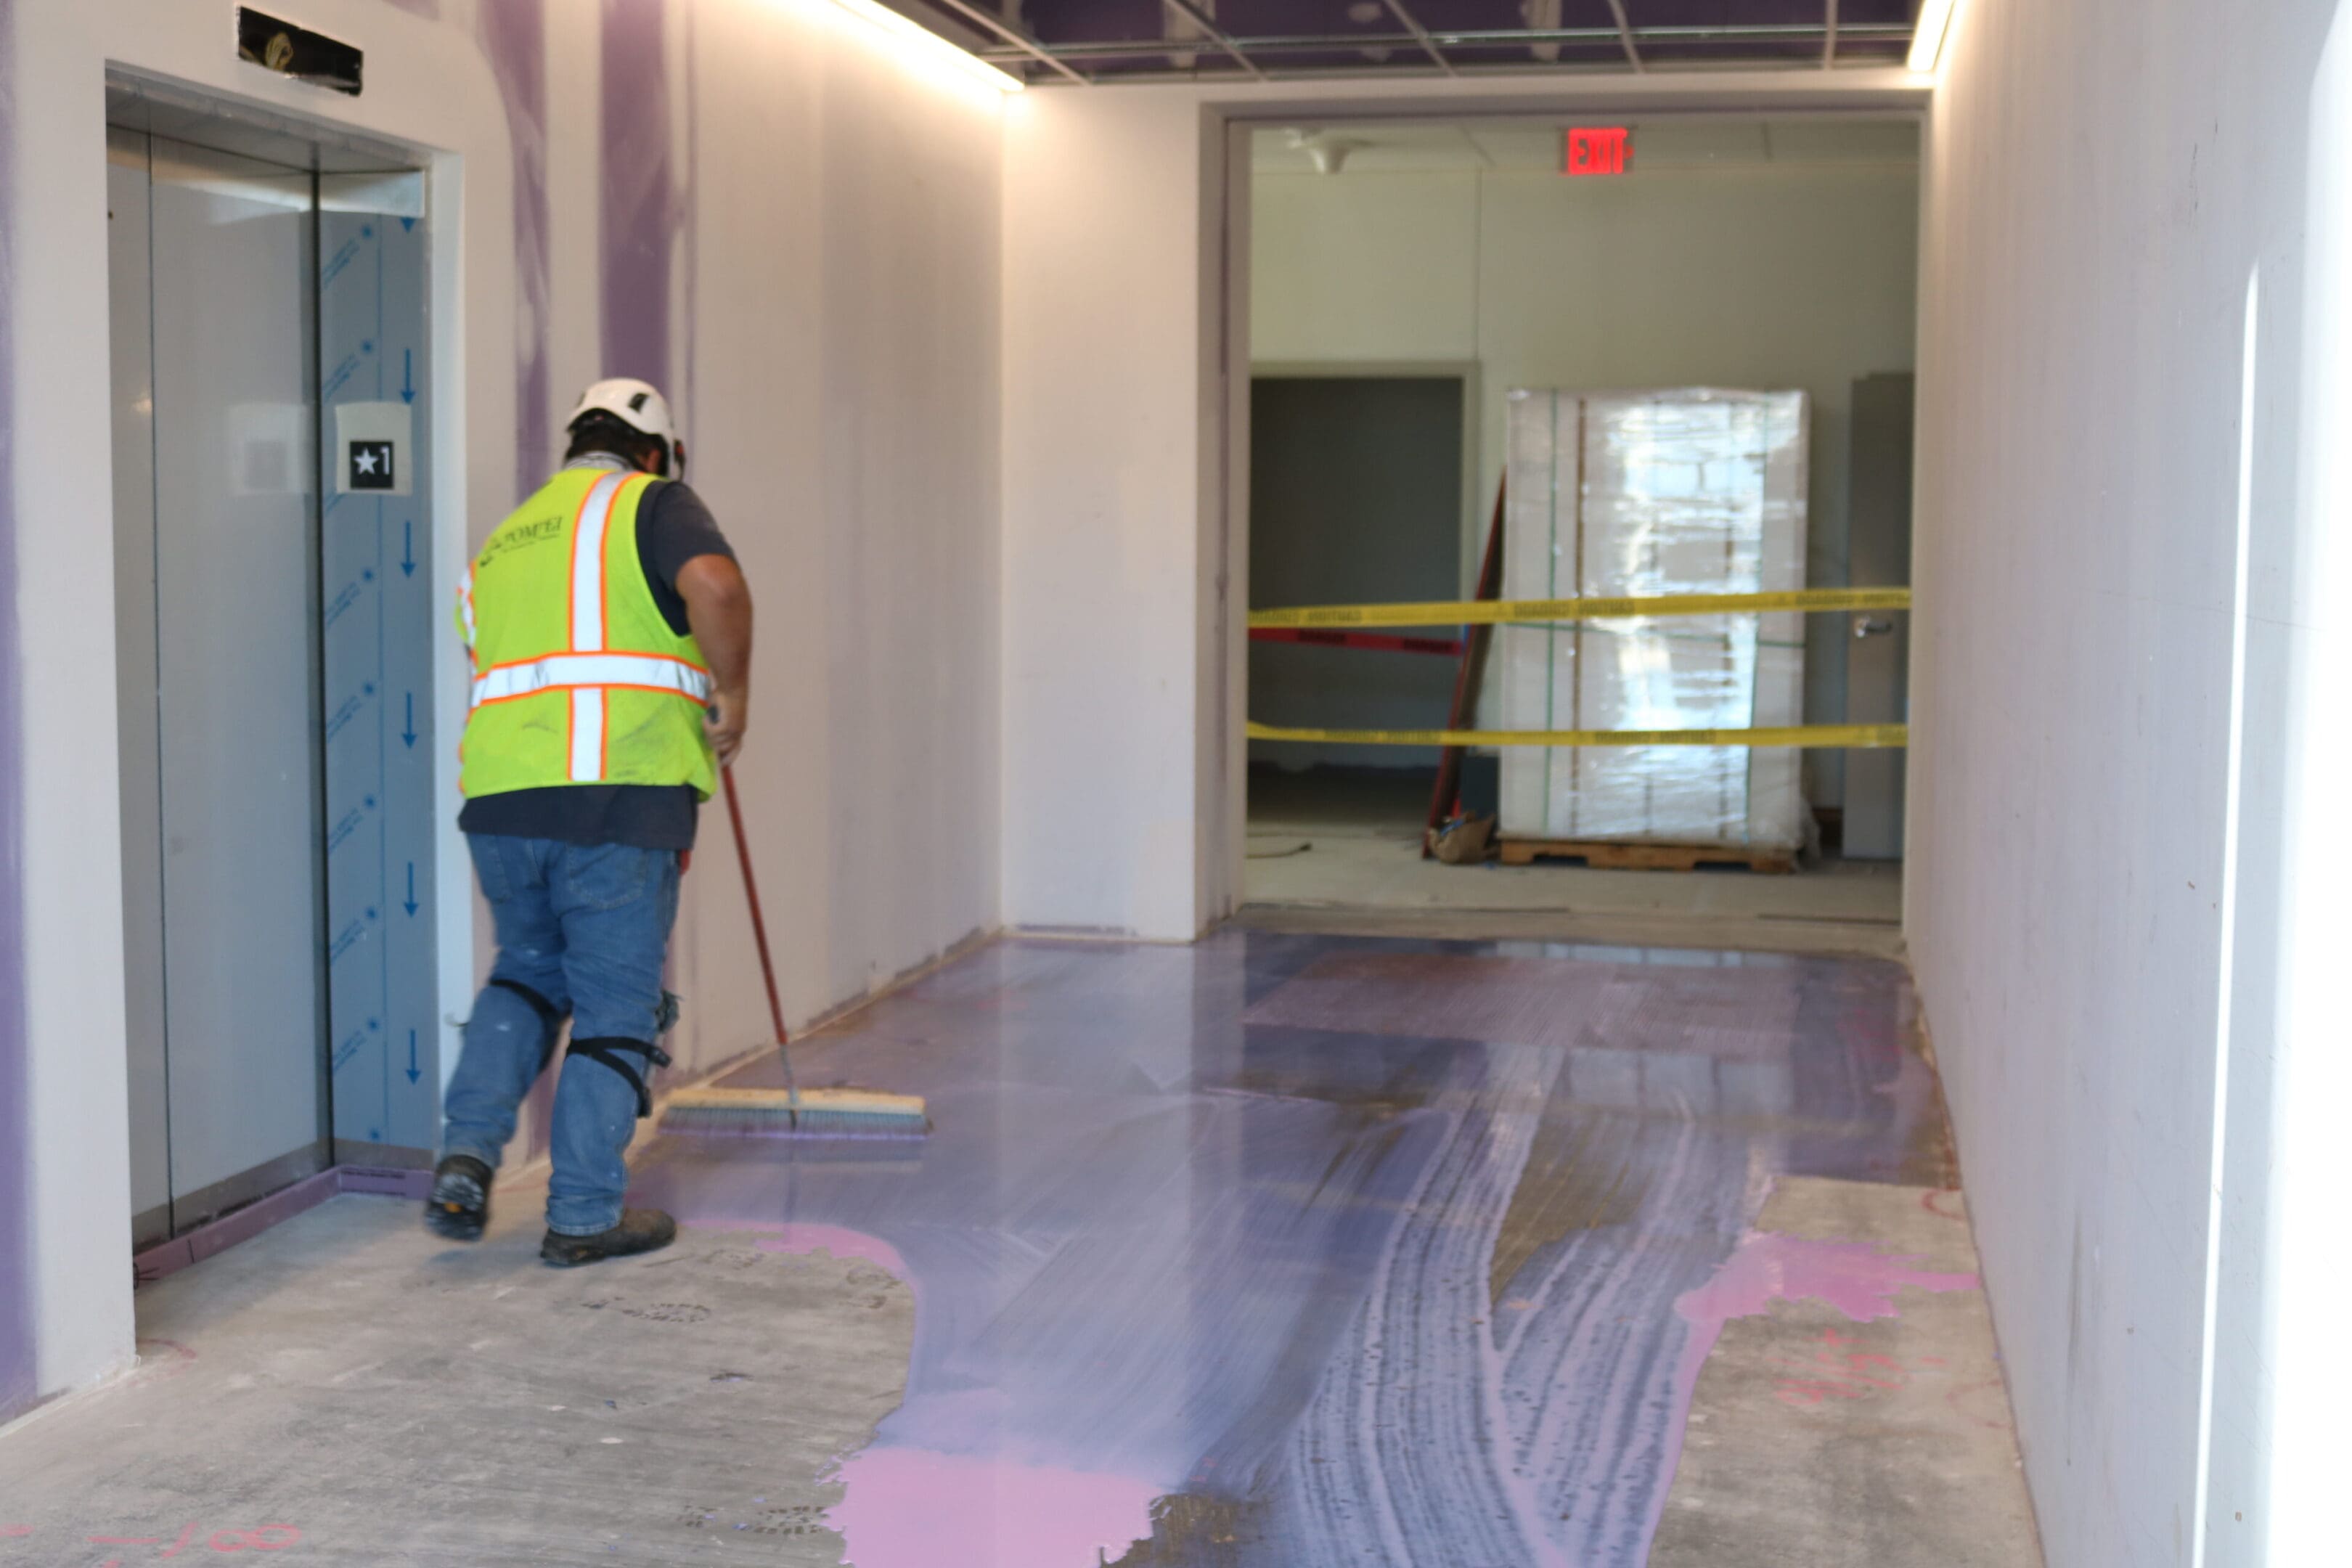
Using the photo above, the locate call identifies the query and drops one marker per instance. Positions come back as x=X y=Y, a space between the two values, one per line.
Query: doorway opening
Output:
x=1355 y=487
x=1727 y=318
x=272 y=569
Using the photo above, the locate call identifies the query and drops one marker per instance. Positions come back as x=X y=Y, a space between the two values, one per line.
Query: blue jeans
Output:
x=582 y=931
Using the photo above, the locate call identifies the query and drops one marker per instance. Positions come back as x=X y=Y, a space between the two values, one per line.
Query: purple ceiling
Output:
x=1055 y=40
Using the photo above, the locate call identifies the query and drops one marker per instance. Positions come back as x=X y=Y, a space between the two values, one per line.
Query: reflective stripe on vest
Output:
x=588 y=623
x=579 y=671
x=588 y=563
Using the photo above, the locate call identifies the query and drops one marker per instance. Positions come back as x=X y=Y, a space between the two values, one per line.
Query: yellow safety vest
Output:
x=577 y=677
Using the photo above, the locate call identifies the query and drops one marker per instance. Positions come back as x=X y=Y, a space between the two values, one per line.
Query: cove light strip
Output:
x=1928 y=37
x=930 y=46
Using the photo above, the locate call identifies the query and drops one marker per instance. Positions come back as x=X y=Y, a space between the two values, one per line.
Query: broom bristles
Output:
x=772 y=1114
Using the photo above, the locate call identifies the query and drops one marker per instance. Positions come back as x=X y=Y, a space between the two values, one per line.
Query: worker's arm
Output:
x=718 y=609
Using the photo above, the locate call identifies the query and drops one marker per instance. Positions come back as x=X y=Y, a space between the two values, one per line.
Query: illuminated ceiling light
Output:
x=1927 y=35
x=930 y=46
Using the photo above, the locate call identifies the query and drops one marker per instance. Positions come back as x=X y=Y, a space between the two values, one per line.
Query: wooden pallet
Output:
x=1645 y=856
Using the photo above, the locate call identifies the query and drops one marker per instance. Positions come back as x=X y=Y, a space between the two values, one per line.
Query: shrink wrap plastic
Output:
x=1685 y=491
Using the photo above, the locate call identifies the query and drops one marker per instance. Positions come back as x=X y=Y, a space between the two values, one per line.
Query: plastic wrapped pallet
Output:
x=1623 y=494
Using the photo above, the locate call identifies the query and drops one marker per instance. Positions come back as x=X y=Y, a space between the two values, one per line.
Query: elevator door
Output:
x=213 y=266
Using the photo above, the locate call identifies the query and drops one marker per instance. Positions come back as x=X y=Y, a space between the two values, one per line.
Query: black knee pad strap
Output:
x=614 y=1052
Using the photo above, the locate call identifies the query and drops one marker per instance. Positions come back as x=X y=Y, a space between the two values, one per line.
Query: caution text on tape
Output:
x=1495 y=612
x=1819 y=737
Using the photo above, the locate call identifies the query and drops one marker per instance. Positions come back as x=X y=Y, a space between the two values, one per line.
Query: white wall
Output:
x=1124 y=332
x=1104 y=509
x=1799 y=272
x=847 y=400
x=834 y=310
x=2106 y=182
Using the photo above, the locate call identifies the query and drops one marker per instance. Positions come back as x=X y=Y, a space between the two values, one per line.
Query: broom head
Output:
x=813 y=1113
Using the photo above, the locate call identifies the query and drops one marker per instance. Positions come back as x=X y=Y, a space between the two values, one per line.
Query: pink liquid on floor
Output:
x=842 y=1242
x=913 y=1508
x=909 y=1507
x=1853 y=1276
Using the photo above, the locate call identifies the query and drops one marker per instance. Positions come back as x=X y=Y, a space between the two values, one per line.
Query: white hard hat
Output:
x=639 y=405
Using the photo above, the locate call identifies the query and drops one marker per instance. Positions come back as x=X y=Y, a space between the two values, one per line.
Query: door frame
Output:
x=450 y=918
x=441 y=103
x=1220 y=823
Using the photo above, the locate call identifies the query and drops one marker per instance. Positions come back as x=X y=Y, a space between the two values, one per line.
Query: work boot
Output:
x=460 y=1204
x=640 y=1230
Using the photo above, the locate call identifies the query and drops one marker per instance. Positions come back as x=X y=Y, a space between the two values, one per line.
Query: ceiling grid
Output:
x=1050 y=42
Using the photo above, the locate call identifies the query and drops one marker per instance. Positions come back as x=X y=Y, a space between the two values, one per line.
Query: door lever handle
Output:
x=1865 y=626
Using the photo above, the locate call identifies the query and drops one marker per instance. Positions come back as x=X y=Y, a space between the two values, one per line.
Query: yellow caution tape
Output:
x=1864 y=737
x=1497 y=612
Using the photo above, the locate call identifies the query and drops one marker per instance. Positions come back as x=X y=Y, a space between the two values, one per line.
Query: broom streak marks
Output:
x=1234 y=1225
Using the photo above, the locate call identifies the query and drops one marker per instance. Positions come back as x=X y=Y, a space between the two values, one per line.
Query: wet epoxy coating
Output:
x=1297 y=1250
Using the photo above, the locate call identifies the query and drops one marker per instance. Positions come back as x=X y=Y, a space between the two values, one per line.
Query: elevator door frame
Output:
x=338 y=166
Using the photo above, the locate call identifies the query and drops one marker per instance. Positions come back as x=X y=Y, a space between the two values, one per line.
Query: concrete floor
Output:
x=1808 y=1412
x=1363 y=868
x=1270 y=1252
x=367 y=1395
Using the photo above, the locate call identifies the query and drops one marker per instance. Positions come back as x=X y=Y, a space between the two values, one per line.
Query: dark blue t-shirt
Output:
x=673 y=528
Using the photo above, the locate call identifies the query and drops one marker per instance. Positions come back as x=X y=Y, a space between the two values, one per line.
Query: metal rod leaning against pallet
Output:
x=1467 y=676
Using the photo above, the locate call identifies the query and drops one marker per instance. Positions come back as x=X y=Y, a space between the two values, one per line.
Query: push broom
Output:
x=787 y=1111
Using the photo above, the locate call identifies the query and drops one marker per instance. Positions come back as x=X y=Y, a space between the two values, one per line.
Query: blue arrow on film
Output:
x=411 y=905
x=408 y=375
x=413 y=1072
x=408 y=548
x=408 y=727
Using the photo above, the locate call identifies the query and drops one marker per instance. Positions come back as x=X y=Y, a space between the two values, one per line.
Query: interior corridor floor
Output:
x=1338 y=850
x=1272 y=1251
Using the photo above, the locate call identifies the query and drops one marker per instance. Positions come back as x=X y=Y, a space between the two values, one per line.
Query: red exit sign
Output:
x=1597 y=150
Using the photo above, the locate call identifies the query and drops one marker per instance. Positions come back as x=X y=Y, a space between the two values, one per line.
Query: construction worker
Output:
x=611 y=636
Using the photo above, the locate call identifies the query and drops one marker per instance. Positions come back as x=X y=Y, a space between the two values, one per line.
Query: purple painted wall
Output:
x=642 y=207
x=514 y=37
x=19 y=1370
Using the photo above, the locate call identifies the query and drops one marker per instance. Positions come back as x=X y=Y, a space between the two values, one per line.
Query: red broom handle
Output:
x=752 y=891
